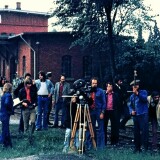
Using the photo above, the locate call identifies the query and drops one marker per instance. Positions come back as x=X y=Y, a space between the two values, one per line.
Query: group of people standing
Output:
x=37 y=97
x=35 y=103
x=115 y=105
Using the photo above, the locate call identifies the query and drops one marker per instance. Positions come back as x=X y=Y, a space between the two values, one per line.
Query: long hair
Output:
x=7 y=88
x=43 y=74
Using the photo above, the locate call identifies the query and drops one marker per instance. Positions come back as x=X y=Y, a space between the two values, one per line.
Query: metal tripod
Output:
x=82 y=127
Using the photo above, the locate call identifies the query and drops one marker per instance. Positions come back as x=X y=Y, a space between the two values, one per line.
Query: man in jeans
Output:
x=45 y=90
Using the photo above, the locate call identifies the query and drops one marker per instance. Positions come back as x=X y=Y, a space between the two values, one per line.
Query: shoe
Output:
x=72 y=150
x=38 y=129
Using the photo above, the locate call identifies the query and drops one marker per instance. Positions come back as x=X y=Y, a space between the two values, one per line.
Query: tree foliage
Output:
x=98 y=23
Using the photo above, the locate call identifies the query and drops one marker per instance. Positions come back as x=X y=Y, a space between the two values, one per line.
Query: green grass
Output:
x=49 y=145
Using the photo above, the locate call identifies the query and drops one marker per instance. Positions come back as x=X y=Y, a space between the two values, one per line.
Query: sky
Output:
x=32 y=5
x=155 y=7
x=46 y=5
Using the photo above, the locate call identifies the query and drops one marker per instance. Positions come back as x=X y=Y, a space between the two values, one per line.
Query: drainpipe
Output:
x=33 y=53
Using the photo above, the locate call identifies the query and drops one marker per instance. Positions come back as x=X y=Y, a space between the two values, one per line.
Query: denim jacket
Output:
x=100 y=100
x=50 y=85
x=139 y=102
x=6 y=105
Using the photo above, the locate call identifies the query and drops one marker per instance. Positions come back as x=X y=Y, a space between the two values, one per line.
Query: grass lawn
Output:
x=49 y=144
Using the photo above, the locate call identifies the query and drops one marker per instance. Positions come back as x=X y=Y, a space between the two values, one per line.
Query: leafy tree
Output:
x=98 y=22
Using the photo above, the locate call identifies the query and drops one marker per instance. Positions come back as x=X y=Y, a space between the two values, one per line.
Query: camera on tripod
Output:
x=82 y=90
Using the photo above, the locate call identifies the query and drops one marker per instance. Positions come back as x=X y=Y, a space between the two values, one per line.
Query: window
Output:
x=24 y=65
x=87 y=66
x=66 y=66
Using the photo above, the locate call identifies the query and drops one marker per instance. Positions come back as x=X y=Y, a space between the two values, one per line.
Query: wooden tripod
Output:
x=82 y=127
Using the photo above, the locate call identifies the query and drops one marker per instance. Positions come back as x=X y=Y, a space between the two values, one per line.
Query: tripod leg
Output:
x=74 y=126
x=84 y=128
x=80 y=130
x=90 y=127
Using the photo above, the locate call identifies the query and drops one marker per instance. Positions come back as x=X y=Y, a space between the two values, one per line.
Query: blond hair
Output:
x=7 y=87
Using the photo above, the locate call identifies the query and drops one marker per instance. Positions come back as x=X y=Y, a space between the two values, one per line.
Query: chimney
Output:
x=6 y=6
x=18 y=5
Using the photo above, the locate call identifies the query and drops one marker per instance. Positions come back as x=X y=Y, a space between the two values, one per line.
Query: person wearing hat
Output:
x=138 y=108
x=49 y=76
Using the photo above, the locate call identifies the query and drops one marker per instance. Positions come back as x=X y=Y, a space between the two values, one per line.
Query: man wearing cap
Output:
x=138 y=108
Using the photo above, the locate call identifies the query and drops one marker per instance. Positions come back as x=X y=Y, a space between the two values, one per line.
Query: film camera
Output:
x=82 y=90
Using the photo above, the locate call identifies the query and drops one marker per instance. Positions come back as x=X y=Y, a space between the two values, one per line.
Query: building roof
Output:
x=38 y=33
x=25 y=12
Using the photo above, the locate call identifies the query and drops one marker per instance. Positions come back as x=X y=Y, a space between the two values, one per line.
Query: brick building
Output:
x=27 y=46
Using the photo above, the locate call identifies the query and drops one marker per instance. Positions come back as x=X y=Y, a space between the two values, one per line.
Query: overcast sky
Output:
x=46 y=5
x=33 y=5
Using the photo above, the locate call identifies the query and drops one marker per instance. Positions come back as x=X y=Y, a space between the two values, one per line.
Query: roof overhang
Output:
x=46 y=14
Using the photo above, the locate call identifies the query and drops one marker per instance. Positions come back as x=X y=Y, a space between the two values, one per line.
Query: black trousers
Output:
x=112 y=116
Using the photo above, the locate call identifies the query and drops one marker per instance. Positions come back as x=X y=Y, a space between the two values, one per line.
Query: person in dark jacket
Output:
x=112 y=114
x=123 y=110
x=15 y=93
x=6 y=111
x=28 y=96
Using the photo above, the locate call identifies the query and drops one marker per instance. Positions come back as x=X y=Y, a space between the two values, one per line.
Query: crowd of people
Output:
x=112 y=104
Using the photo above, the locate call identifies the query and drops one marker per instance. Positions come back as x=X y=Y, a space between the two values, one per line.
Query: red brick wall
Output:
x=22 y=22
x=49 y=54
x=24 y=50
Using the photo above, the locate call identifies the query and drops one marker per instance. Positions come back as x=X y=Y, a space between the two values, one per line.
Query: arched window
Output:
x=66 y=66
x=23 y=65
x=87 y=66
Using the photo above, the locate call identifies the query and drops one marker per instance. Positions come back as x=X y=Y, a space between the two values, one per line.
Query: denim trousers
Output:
x=99 y=133
x=5 y=137
x=60 y=105
x=42 y=111
x=141 y=131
